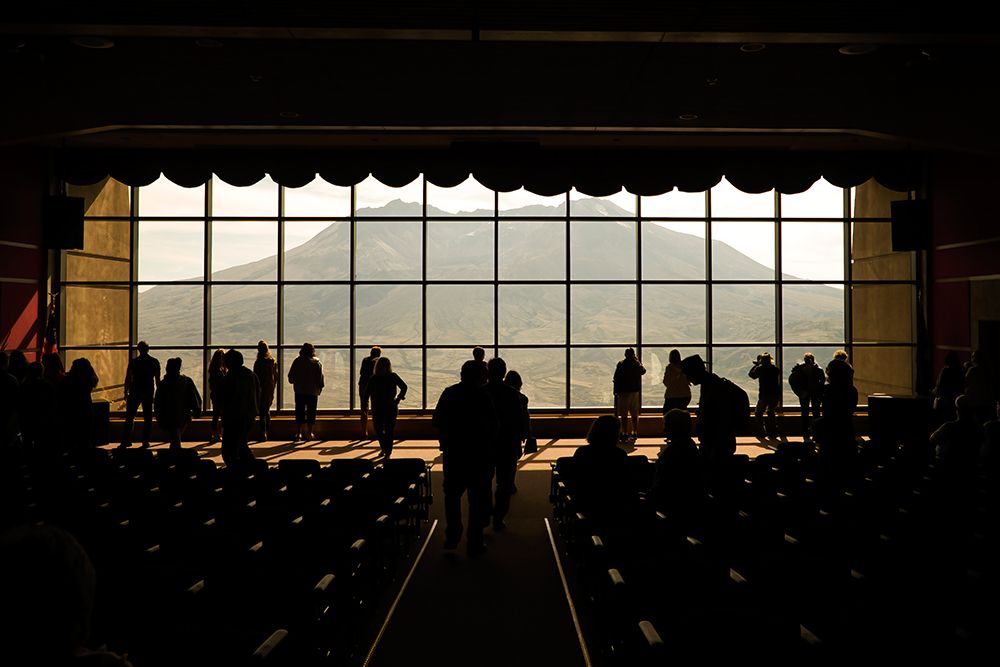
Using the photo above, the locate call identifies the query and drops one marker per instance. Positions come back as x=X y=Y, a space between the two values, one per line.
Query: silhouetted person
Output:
x=141 y=379
x=479 y=355
x=381 y=390
x=17 y=365
x=266 y=370
x=466 y=423
x=306 y=377
x=510 y=432
x=677 y=392
x=75 y=406
x=677 y=484
x=9 y=391
x=600 y=481
x=240 y=396
x=957 y=443
x=806 y=380
x=216 y=376
x=54 y=369
x=949 y=386
x=840 y=400
x=717 y=424
x=364 y=375
x=36 y=408
x=177 y=402
x=513 y=378
x=977 y=388
x=768 y=378
x=49 y=589
x=627 y=386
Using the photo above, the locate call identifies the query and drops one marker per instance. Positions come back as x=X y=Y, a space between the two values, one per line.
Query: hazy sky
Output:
x=812 y=251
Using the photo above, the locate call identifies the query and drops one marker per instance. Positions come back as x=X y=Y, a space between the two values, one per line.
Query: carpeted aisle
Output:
x=505 y=608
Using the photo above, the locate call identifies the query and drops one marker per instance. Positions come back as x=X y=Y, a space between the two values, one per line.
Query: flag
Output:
x=50 y=342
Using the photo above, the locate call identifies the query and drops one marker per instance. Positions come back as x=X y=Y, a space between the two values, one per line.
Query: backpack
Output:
x=798 y=380
x=739 y=400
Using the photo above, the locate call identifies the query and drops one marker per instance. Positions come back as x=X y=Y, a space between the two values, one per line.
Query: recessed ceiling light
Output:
x=752 y=47
x=208 y=43
x=288 y=114
x=93 y=42
x=857 y=49
x=688 y=116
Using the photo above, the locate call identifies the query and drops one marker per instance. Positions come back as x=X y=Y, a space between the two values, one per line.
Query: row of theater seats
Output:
x=898 y=558
x=200 y=565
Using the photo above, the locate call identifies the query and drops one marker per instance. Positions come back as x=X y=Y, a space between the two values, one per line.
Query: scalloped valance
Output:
x=594 y=172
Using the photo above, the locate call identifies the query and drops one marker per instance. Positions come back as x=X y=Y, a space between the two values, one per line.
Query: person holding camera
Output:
x=769 y=383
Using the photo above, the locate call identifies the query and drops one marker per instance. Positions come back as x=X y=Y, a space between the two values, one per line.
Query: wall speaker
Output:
x=62 y=222
x=911 y=225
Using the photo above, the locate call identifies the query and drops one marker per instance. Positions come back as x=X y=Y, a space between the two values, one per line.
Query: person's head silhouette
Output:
x=174 y=366
x=142 y=347
x=604 y=431
x=478 y=353
x=694 y=368
x=677 y=424
x=472 y=372
x=496 y=369
x=233 y=359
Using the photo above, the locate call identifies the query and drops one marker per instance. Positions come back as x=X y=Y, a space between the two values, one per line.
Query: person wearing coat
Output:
x=176 y=403
x=266 y=369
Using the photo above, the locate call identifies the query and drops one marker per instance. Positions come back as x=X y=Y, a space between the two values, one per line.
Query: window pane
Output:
x=259 y=200
x=655 y=359
x=99 y=315
x=243 y=314
x=674 y=204
x=171 y=250
x=337 y=375
x=171 y=315
x=407 y=363
x=110 y=366
x=673 y=314
x=812 y=250
x=731 y=202
x=543 y=372
x=619 y=205
x=192 y=365
x=318 y=314
x=743 y=313
x=813 y=313
x=374 y=198
x=885 y=370
x=105 y=255
x=318 y=199
x=468 y=199
x=443 y=370
x=822 y=200
x=793 y=355
x=532 y=250
x=735 y=363
x=244 y=250
x=743 y=250
x=317 y=250
x=460 y=315
x=388 y=250
x=388 y=315
x=673 y=250
x=532 y=314
x=524 y=204
x=602 y=250
x=591 y=372
x=164 y=199
x=882 y=313
x=460 y=250
x=602 y=314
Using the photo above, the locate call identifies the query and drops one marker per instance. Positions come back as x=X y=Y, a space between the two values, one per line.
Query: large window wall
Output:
x=558 y=286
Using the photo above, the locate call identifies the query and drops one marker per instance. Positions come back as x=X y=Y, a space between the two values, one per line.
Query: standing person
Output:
x=176 y=403
x=768 y=378
x=36 y=408
x=381 y=389
x=240 y=396
x=479 y=356
x=977 y=388
x=466 y=423
x=841 y=355
x=627 y=385
x=723 y=407
x=510 y=432
x=364 y=375
x=266 y=370
x=141 y=380
x=216 y=375
x=677 y=395
x=513 y=378
x=840 y=400
x=17 y=365
x=807 y=380
x=75 y=406
x=306 y=377
x=957 y=444
x=950 y=385
x=54 y=371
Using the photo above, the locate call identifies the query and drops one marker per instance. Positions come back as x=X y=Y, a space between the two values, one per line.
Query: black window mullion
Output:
x=569 y=374
x=355 y=402
x=848 y=277
x=280 y=333
x=708 y=279
x=778 y=289
x=423 y=294
x=206 y=333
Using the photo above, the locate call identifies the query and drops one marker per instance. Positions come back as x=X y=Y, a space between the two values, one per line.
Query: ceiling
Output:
x=583 y=74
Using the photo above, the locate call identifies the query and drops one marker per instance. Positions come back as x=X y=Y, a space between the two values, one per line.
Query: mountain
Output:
x=532 y=247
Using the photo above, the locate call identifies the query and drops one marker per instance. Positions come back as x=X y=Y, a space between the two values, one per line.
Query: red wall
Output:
x=22 y=259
